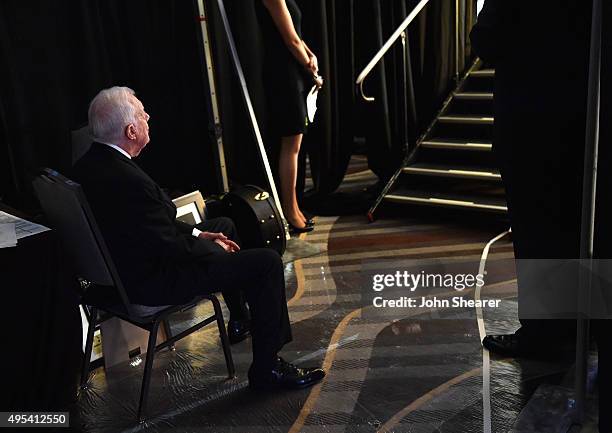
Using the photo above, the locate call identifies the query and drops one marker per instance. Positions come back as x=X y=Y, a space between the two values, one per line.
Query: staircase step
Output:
x=456 y=145
x=466 y=120
x=474 y=96
x=447 y=200
x=485 y=73
x=452 y=171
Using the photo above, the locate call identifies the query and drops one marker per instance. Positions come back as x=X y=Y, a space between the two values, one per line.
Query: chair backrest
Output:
x=66 y=208
x=81 y=142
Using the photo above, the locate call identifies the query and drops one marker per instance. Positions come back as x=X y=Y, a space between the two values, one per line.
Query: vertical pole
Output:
x=203 y=18
x=457 y=39
x=247 y=100
x=589 y=190
x=405 y=91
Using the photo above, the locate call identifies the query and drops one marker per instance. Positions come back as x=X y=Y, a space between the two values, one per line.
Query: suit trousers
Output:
x=235 y=299
x=258 y=275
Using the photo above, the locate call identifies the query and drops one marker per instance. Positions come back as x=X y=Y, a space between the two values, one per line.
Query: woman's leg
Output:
x=287 y=171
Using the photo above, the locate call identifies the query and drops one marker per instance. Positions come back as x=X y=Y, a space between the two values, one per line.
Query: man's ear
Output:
x=130 y=131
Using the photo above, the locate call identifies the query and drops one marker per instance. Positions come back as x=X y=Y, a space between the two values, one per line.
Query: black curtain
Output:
x=56 y=56
x=242 y=154
x=430 y=72
x=328 y=29
x=345 y=35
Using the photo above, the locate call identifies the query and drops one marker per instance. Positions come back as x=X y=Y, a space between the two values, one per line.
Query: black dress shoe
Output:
x=238 y=330
x=504 y=345
x=297 y=230
x=284 y=375
x=547 y=345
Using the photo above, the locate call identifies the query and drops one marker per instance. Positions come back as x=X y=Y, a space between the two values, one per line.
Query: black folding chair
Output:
x=68 y=213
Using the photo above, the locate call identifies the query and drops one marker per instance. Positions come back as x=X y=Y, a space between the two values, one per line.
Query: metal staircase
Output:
x=452 y=165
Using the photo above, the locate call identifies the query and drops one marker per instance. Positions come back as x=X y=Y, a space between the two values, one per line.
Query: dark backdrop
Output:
x=328 y=29
x=56 y=56
x=431 y=50
x=345 y=35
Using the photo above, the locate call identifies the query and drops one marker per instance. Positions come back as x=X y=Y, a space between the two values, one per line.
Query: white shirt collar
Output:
x=117 y=148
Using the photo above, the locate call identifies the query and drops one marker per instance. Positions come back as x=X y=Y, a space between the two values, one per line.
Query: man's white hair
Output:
x=110 y=111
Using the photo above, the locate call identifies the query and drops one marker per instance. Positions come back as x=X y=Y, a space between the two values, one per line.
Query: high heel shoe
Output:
x=297 y=230
x=310 y=222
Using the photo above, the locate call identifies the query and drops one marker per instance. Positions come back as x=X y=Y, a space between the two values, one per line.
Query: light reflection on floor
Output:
x=407 y=371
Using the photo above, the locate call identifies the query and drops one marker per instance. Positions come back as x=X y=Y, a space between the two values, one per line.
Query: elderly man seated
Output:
x=162 y=261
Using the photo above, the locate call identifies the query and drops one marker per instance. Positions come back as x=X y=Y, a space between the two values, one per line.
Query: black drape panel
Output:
x=344 y=34
x=242 y=153
x=57 y=55
x=328 y=29
x=431 y=50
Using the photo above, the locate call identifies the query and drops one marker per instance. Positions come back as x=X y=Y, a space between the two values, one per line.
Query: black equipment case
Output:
x=256 y=217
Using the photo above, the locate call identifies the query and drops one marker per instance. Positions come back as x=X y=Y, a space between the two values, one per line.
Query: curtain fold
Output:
x=327 y=29
x=57 y=55
x=430 y=72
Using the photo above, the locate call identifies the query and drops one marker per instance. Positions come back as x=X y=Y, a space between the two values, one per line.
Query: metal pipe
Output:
x=405 y=90
x=589 y=192
x=247 y=100
x=457 y=36
x=394 y=37
x=203 y=18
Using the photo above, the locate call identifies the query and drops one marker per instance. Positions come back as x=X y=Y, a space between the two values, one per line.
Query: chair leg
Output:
x=229 y=362
x=91 y=327
x=146 y=377
x=168 y=332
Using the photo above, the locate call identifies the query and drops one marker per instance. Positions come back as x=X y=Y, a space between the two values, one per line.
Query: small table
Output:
x=42 y=348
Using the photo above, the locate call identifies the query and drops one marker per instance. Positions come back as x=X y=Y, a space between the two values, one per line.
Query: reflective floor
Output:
x=389 y=369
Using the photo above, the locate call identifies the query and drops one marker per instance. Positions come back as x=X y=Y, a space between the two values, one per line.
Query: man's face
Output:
x=138 y=132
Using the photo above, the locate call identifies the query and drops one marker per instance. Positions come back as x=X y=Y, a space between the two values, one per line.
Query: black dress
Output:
x=285 y=80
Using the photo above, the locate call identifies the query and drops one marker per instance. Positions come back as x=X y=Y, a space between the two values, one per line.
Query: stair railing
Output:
x=400 y=32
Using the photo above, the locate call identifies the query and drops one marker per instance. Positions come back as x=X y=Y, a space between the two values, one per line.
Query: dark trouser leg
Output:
x=259 y=274
x=235 y=299
x=539 y=237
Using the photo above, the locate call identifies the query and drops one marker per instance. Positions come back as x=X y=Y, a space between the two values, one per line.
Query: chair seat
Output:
x=143 y=315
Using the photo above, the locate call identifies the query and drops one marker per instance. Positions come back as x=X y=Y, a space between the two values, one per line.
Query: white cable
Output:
x=486 y=365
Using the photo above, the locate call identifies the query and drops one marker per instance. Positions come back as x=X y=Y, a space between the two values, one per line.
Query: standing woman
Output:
x=290 y=69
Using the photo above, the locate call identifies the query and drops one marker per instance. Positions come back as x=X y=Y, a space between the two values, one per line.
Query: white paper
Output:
x=22 y=228
x=8 y=237
x=311 y=103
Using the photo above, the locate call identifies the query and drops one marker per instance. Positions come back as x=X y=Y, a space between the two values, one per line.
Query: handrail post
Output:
x=457 y=39
x=405 y=89
x=389 y=43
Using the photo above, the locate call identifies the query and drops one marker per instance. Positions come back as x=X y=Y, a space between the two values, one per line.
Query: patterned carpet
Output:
x=389 y=370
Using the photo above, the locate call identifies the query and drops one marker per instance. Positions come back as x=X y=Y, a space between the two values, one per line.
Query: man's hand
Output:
x=221 y=240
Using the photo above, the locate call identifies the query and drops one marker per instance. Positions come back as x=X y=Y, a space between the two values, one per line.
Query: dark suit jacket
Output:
x=541 y=53
x=154 y=254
